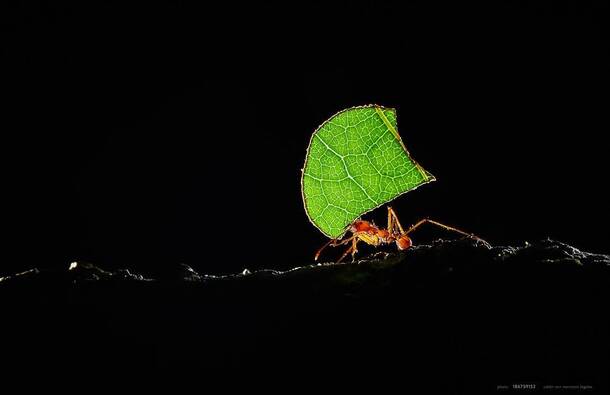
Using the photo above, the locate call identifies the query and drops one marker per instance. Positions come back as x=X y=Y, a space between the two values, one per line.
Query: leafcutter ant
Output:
x=368 y=233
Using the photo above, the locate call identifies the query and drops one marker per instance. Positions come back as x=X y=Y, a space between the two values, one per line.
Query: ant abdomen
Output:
x=403 y=242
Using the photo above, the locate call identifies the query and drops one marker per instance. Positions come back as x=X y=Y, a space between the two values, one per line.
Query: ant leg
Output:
x=446 y=227
x=315 y=258
x=393 y=221
x=390 y=221
x=353 y=249
x=333 y=243
x=345 y=254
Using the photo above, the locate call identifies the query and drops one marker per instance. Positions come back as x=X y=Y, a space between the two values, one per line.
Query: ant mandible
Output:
x=370 y=234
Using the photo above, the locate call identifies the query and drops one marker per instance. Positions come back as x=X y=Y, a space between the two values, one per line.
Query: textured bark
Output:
x=451 y=316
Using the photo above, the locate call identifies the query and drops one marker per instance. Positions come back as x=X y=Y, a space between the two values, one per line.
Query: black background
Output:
x=157 y=133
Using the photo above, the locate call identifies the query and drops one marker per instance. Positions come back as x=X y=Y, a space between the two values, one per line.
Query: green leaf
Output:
x=356 y=162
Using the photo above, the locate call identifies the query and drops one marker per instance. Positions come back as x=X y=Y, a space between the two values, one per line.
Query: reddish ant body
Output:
x=370 y=234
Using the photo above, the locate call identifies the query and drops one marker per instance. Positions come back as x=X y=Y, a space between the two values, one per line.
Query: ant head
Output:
x=360 y=226
x=403 y=242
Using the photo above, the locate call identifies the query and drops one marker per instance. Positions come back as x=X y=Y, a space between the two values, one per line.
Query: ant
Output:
x=370 y=234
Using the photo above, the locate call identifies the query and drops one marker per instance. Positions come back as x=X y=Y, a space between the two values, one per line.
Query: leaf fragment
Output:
x=356 y=162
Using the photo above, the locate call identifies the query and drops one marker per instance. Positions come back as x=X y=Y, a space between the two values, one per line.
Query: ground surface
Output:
x=450 y=317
